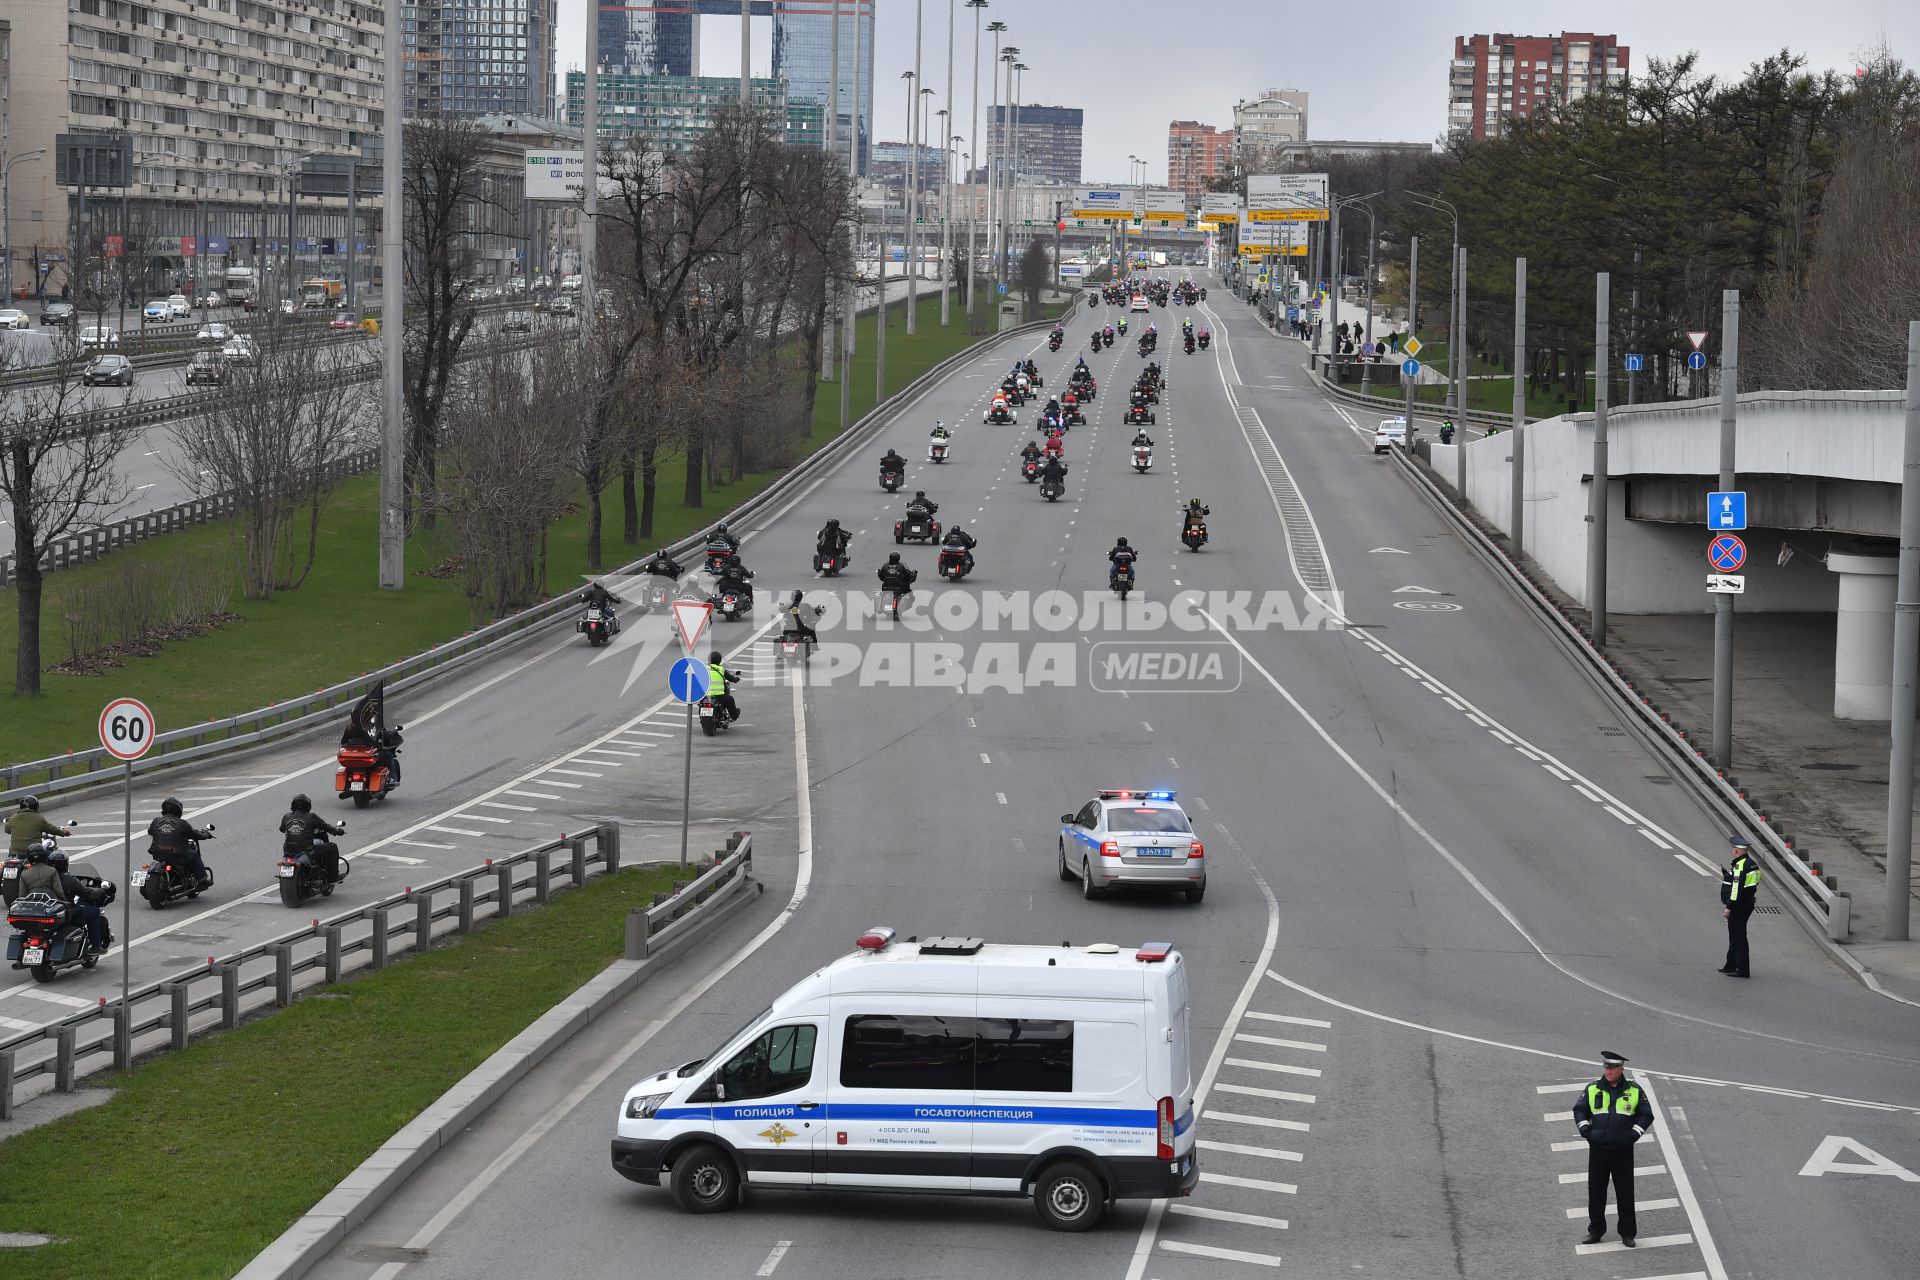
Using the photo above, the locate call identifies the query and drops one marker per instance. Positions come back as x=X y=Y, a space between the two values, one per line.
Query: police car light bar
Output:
x=1154 y=952
x=874 y=939
x=1110 y=793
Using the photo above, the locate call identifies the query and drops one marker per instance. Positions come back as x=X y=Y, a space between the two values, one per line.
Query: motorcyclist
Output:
x=720 y=682
x=304 y=831
x=172 y=838
x=831 y=543
x=387 y=740
x=1056 y=446
x=1120 y=555
x=1054 y=470
x=596 y=596
x=921 y=505
x=662 y=565
x=958 y=537
x=1031 y=453
x=1186 y=326
x=896 y=577
x=1123 y=326
x=1193 y=514
x=939 y=436
x=891 y=461
x=734 y=576
x=1205 y=337
x=1079 y=365
x=1141 y=438
x=25 y=826
x=1053 y=405
x=795 y=612
x=1153 y=371
x=47 y=873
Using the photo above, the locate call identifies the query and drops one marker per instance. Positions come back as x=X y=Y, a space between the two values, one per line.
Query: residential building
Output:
x=663 y=38
x=1495 y=78
x=1046 y=140
x=1196 y=154
x=220 y=102
x=479 y=57
x=676 y=111
x=889 y=165
x=1278 y=115
x=1311 y=156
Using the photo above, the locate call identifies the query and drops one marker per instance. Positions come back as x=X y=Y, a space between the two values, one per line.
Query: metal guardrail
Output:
x=91 y=544
x=165 y=1014
x=161 y=346
x=76 y=770
x=673 y=916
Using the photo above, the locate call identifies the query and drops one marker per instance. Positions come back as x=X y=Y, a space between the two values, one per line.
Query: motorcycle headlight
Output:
x=644 y=1108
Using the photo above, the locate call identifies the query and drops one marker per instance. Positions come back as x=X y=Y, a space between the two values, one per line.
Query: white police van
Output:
x=945 y=1066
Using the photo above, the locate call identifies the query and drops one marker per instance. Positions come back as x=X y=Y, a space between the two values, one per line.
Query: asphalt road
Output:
x=1443 y=878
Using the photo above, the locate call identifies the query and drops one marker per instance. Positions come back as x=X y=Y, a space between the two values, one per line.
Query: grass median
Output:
x=202 y=1158
x=339 y=623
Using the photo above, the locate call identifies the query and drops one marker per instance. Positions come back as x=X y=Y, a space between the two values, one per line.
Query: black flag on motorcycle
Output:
x=368 y=720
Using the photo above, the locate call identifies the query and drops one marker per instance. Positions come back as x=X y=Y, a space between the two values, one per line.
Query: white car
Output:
x=157 y=309
x=100 y=335
x=12 y=318
x=179 y=307
x=1128 y=836
x=1390 y=432
x=210 y=299
x=1139 y=302
x=288 y=307
x=214 y=333
x=239 y=349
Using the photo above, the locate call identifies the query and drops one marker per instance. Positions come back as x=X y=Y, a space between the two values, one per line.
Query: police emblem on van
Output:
x=777 y=1133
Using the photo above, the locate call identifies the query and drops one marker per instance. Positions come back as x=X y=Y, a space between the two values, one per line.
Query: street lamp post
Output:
x=1003 y=155
x=1013 y=147
x=991 y=152
x=919 y=151
x=946 y=186
x=916 y=119
x=1456 y=402
x=6 y=213
x=973 y=149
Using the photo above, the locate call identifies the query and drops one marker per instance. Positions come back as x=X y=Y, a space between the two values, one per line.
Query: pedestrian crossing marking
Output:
x=1228 y=1215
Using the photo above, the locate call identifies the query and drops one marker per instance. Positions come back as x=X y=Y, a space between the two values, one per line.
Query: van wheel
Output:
x=1069 y=1197
x=1088 y=889
x=704 y=1180
x=1066 y=872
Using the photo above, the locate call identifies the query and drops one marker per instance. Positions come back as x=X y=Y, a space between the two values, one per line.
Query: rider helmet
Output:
x=893 y=557
x=714 y=656
x=58 y=859
x=30 y=803
x=302 y=805
x=171 y=807
x=833 y=524
x=919 y=493
x=1120 y=542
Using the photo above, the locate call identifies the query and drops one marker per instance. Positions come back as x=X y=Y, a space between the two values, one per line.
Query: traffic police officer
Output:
x=1612 y=1114
x=1739 y=886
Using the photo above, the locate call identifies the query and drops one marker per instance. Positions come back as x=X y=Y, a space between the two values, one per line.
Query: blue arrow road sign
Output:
x=1727 y=553
x=1001 y=290
x=1727 y=510
x=1411 y=368
x=688 y=680
x=1635 y=363
x=1696 y=360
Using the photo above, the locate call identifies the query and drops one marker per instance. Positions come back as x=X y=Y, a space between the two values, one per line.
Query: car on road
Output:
x=108 y=371
x=288 y=307
x=343 y=320
x=214 y=333
x=99 y=335
x=517 y=322
x=58 y=313
x=178 y=305
x=1128 y=836
x=210 y=299
x=156 y=309
x=208 y=367
x=1139 y=302
x=562 y=305
x=14 y=318
x=239 y=349
x=1390 y=432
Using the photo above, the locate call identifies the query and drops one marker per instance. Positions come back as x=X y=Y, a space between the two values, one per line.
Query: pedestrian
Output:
x=1739 y=886
x=1612 y=1114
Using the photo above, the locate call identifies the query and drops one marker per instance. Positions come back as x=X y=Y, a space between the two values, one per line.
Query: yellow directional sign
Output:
x=1413 y=346
x=1286 y=215
x=1101 y=215
x=1220 y=217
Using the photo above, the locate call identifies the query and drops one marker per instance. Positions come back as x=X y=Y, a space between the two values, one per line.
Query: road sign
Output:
x=1287 y=215
x=1636 y=363
x=1000 y=289
x=1727 y=510
x=1697 y=337
x=126 y=729
x=691 y=616
x=1413 y=347
x=1696 y=360
x=1726 y=584
x=688 y=679
x=1727 y=553
x=1411 y=368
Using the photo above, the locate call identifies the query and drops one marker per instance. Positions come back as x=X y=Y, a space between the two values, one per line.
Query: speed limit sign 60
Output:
x=126 y=728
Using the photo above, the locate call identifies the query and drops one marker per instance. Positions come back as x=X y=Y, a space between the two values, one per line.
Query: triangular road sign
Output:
x=691 y=616
x=1416 y=591
x=1697 y=337
x=1386 y=551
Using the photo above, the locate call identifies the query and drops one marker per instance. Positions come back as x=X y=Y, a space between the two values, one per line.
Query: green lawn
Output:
x=340 y=623
x=1490 y=388
x=205 y=1156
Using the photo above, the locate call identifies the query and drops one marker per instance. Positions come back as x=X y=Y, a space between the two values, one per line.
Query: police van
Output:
x=946 y=1066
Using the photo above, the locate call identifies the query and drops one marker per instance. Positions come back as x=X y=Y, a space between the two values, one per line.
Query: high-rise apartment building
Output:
x=479 y=57
x=1196 y=153
x=1278 y=115
x=1046 y=140
x=663 y=39
x=1495 y=78
x=674 y=112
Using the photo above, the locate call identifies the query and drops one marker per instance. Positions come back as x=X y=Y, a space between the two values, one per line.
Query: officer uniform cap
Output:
x=1608 y=1058
x=1741 y=842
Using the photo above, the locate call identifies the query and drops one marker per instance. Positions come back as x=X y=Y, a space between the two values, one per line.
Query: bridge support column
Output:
x=1863 y=636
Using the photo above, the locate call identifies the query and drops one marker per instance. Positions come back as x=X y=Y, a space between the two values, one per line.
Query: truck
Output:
x=1159 y=257
x=319 y=293
x=241 y=288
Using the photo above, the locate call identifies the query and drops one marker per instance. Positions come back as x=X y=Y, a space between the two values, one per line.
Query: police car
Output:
x=1390 y=432
x=1127 y=836
x=945 y=1065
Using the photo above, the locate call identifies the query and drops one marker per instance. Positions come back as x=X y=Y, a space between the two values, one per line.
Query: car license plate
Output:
x=12 y=873
x=706 y=713
x=33 y=955
x=284 y=871
x=358 y=784
x=139 y=877
x=593 y=615
x=1154 y=853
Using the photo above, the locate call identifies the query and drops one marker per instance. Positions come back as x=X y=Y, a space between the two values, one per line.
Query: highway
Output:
x=1443 y=878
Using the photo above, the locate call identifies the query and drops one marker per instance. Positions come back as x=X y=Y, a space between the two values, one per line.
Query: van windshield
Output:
x=728 y=1043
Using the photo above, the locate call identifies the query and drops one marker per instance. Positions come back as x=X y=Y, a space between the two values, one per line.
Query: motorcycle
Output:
x=1142 y=458
x=599 y=625
x=363 y=775
x=717 y=553
x=713 y=719
x=892 y=480
x=657 y=593
x=890 y=600
x=1189 y=346
x=160 y=882
x=916 y=528
x=1051 y=489
x=793 y=644
x=1051 y=422
x=1121 y=579
x=16 y=863
x=829 y=566
x=1205 y=338
x=1053 y=343
x=300 y=877
x=954 y=563
x=1030 y=470
x=729 y=606
x=1194 y=534
x=937 y=451
x=1138 y=414
x=49 y=936
x=1075 y=418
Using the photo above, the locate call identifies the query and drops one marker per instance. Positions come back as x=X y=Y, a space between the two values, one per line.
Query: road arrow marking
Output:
x=1387 y=551
x=1416 y=591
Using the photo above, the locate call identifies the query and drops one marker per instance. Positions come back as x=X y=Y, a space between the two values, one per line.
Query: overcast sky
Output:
x=1135 y=65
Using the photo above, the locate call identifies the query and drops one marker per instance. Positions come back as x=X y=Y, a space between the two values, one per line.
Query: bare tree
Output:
x=57 y=474
x=273 y=439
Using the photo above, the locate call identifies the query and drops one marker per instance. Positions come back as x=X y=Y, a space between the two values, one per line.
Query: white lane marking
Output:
x=1262 y=1122
x=402 y=859
x=1644 y=1242
x=598 y=764
x=1225 y=1255
x=1278 y=1068
x=54 y=997
x=1311 y=1046
x=1575 y=1087
x=1658 y=843
x=416 y=844
x=1640 y=1206
x=481 y=817
x=571 y=773
x=555 y=782
x=1001 y=796
x=502 y=804
x=1289 y=1018
x=1227 y=1215
x=773 y=1258
x=1555 y=772
x=531 y=795
x=1277 y=1095
x=1645 y=1171
x=615 y=1061
x=1255 y=1184
x=984 y=759
x=615 y=751
x=456 y=831
x=1235 y=1148
x=18 y=1024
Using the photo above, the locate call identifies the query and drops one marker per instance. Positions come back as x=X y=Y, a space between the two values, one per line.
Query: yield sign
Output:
x=1697 y=337
x=691 y=616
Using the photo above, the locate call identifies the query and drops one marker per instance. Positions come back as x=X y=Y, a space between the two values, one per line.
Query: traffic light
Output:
x=1060 y=226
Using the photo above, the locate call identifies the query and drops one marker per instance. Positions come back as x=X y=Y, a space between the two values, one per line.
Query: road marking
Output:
x=1277 y=1095
x=1645 y=1242
x=1658 y=843
x=598 y=764
x=1001 y=796
x=1263 y=1122
x=1255 y=1184
x=1640 y=1206
x=417 y=844
x=1284 y=1017
x=456 y=831
x=1234 y=1148
x=1560 y=1088
x=1225 y=1255
x=1279 y=1068
x=773 y=1259
x=521 y=808
x=555 y=782
x=19 y=1024
x=481 y=817
x=612 y=751
x=1310 y=1046
x=532 y=795
x=1645 y=1171
x=1227 y=1215
x=402 y=859
x=54 y=997
x=571 y=773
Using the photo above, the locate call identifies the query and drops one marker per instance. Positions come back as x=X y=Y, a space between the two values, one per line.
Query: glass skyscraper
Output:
x=480 y=57
x=664 y=39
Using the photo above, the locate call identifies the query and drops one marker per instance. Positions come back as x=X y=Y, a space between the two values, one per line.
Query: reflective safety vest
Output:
x=1742 y=880
x=716 y=679
x=1625 y=1104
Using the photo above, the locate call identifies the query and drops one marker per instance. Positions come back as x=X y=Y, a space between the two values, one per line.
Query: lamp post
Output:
x=905 y=198
x=919 y=152
x=916 y=119
x=1009 y=55
x=6 y=213
x=946 y=186
x=1013 y=147
x=973 y=149
x=990 y=153
x=1455 y=401
x=293 y=189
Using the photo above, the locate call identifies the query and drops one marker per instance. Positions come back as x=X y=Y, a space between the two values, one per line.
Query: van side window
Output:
x=774 y=1062
x=1023 y=1055
x=907 y=1051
